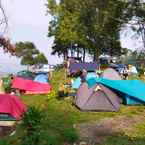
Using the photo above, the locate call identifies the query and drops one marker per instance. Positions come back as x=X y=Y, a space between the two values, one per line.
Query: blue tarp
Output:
x=42 y=78
x=133 y=91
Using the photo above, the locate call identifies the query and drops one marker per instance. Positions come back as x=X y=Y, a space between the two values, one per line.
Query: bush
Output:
x=32 y=119
x=4 y=142
x=32 y=124
x=70 y=135
x=7 y=84
x=52 y=94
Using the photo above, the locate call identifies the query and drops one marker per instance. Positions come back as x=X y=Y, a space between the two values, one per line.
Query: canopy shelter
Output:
x=11 y=105
x=97 y=98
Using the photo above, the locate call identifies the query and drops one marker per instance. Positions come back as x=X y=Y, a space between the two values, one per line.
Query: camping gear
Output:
x=132 y=91
x=26 y=74
x=97 y=98
x=77 y=82
x=111 y=74
x=12 y=105
x=42 y=78
x=75 y=67
x=30 y=87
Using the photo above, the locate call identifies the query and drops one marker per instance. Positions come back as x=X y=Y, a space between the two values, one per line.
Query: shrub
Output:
x=52 y=94
x=4 y=142
x=7 y=84
x=32 y=119
x=70 y=135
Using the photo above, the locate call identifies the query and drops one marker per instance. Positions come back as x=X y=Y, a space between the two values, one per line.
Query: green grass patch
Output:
x=60 y=115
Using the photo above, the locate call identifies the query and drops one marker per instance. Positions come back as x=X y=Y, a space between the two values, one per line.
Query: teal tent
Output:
x=77 y=82
x=132 y=91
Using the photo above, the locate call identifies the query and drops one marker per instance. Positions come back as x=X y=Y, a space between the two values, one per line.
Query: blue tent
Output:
x=77 y=82
x=42 y=78
x=132 y=91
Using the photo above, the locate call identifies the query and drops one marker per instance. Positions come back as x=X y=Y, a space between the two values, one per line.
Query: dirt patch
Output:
x=97 y=132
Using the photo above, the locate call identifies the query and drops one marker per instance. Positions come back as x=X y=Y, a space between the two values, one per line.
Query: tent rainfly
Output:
x=97 y=98
x=111 y=74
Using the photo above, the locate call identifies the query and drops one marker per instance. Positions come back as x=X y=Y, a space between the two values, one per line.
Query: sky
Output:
x=28 y=22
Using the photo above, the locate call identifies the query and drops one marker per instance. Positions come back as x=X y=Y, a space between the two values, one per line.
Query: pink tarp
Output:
x=12 y=105
x=30 y=87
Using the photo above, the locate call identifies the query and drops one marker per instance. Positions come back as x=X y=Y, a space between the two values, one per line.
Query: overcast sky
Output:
x=28 y=22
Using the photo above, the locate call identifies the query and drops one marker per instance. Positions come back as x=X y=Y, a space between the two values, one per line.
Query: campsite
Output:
x=72 y=72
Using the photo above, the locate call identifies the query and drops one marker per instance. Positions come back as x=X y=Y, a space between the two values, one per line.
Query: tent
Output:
x=77 y=82
x=75 y=67
x=97 y=98
x=111 y=74
x=30 y=87
x=42 y=78
x=11 y=105
x=26 y=74
x=132 y=91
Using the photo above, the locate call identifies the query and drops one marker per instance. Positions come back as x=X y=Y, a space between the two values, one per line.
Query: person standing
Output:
x=125 y=73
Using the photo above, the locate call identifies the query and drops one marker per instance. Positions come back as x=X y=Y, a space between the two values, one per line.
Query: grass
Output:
x=61 y=115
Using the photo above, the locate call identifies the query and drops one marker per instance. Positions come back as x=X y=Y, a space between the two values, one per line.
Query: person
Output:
x=83 y=75
x=125 y=73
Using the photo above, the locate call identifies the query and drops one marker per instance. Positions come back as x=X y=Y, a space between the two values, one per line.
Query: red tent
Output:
x=30 y=87
x=12 y=105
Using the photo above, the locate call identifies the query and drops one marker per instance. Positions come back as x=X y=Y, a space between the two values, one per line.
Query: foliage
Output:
x=7 y=84
x=52 y=94
x=32 y=119
x=93 y=25
x=32 y=124
x=29 y=54
x=70 y=134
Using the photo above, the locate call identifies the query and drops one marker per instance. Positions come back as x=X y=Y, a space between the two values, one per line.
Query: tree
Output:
x=29 y=54
x=135 y=19
x=4 y=42
x=93 y=25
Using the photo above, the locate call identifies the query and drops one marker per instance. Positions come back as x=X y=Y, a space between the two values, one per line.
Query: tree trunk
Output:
x=95 y=57
x=65 y=55
x=84 y=54
x=78 y=52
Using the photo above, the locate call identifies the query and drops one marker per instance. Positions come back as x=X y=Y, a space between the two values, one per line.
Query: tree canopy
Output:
x=29 y=54
x=94 y=25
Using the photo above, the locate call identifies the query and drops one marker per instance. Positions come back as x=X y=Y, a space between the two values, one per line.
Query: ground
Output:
x=63 y=121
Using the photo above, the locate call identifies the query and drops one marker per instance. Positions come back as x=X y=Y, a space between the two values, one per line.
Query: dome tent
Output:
x=97 y=98
x=111 y=74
